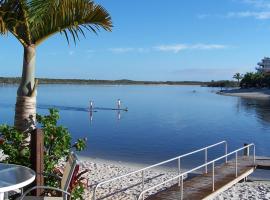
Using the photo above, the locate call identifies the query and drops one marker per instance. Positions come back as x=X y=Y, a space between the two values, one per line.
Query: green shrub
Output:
x=222 y=84
x=255 y=79
x=57 y=146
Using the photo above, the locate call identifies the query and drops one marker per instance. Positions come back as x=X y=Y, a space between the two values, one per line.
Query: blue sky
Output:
x=157 y=40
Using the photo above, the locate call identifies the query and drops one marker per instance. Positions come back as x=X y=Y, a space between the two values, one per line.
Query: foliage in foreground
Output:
x=57 y=145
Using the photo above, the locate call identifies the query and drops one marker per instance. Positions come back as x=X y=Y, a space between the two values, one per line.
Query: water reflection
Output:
x=162 y=121
x=118 y=109
x=259 y=107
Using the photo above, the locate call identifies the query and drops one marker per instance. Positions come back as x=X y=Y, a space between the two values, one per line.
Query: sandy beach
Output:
x=124 y=188
x=257 y=190
x=129 y=188
x=263 y=93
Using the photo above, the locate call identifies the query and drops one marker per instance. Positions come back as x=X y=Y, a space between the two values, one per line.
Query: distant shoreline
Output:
x=254 y=93
x=15 y=80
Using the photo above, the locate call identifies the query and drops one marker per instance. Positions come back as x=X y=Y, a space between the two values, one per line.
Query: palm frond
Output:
x=33 y=21
x=13 y=18
x=3 y=28
x=69 y=17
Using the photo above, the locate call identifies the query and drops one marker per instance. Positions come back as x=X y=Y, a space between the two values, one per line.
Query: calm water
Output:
x=162 y=121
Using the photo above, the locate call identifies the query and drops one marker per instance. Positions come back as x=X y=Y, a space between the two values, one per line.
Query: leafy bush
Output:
x=255 y=79
x=222 y=84
x=14 y=145
x=57 y=146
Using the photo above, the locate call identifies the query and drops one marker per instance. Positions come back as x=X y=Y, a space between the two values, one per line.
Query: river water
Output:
x=161 y=121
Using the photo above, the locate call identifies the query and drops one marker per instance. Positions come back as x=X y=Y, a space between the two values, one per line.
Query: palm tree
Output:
x=238 y=77
x=31 y=22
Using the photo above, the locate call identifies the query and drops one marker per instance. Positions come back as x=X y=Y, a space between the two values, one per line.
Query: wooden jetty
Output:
x=201 y=186
x=263 y=162
x=219 y=174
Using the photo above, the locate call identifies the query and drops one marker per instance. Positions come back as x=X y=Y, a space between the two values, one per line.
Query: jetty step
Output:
x=200 y=187
x=263 y=162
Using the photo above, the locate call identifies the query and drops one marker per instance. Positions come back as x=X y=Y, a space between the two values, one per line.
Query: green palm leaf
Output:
x=33 y=21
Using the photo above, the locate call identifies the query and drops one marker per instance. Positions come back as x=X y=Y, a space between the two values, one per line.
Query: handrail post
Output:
x=213 y=176
x=179 y=171
x=246 y=150
x=226 y=152
x=94 y=193
x=254 y=155
x=236 y=157
x=205 y=160
x=143 y=183
x=182 y=188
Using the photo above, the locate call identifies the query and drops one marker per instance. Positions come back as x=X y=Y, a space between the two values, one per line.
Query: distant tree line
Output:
x=222 y=84
x=16 y=80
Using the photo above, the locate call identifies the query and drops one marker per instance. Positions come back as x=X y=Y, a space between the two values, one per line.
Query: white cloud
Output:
x=256 y=15
x=203 y=16
x=259 y=9
x=71 y=53
x=128 y=49
x=174 y=48
x=142 y=50
x=208 y=46
x=170 y=48
x=258 y=3
x=121 y=50
x=180 y=47
x=90 y=51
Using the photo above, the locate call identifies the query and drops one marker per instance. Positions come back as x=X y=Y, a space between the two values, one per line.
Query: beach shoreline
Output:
x=125 y=188
x=253 y=93
x=100 y=170
x=130 y=187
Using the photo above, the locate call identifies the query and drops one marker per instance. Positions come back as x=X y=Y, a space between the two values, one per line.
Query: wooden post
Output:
x=246 y=150
x=37 y=158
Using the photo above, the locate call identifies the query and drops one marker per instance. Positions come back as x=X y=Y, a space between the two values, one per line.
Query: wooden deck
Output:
x=200 y=187
x=263 y=163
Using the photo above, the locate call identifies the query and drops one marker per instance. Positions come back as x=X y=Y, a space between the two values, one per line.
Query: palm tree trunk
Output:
x=25 y=109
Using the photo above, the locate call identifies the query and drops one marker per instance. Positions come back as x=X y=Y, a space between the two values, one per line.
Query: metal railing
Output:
x=178 y=158
x=181 y=176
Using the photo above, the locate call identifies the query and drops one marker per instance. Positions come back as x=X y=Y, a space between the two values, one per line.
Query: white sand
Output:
x=258 y=190
x=247 y=93
x=125 y=188
x=130 y=187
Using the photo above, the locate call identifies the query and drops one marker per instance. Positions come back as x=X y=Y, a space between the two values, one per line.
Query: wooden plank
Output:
x=229 y=185
x=263 y=163
x=200 y=187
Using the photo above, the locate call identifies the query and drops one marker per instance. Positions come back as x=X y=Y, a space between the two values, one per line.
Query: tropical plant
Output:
x=255 y=79
x=238 y=77
x=31 y=22
x=57 y=146
x=222 y=84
